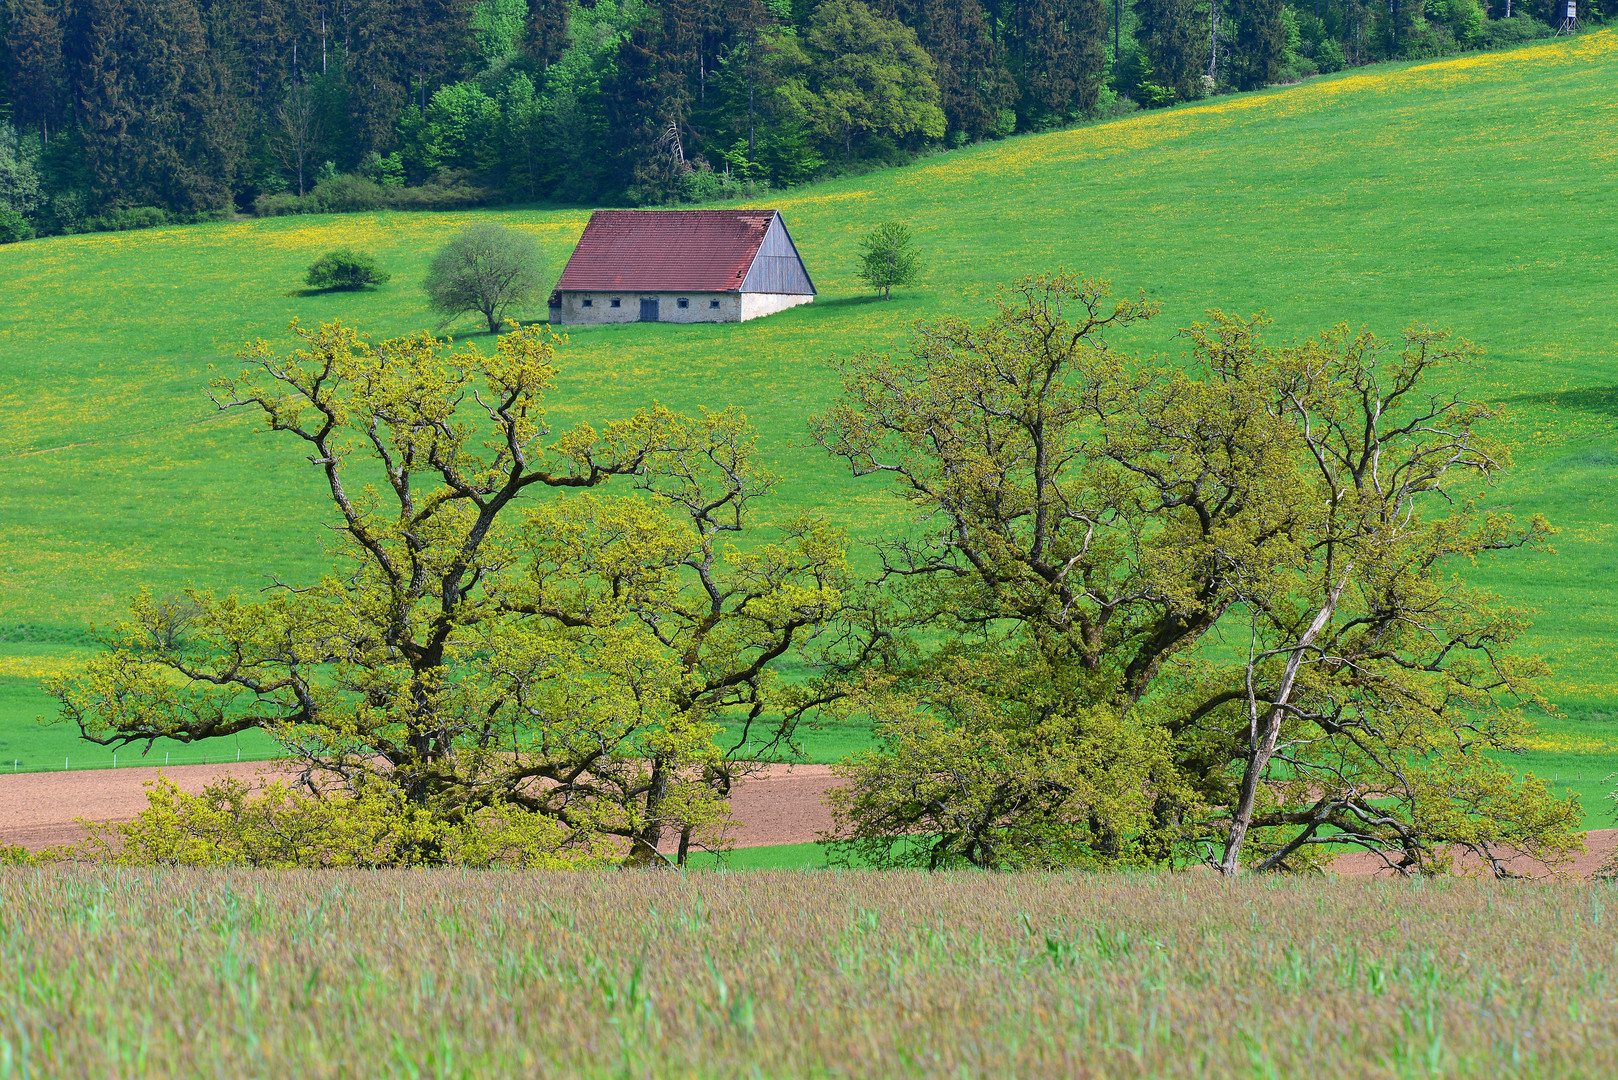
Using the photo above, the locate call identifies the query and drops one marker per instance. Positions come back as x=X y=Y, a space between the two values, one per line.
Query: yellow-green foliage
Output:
x=280 y=827
x=118 y=972
x=1178 y=610
x=573 y=656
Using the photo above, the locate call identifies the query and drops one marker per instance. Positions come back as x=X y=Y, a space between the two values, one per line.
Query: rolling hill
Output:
x=1478 y=193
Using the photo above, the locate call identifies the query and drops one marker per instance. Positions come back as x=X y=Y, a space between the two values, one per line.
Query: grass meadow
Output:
x=629 y=974
x=1475 y=193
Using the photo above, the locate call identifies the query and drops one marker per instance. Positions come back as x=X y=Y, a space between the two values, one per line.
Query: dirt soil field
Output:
x=784 y=805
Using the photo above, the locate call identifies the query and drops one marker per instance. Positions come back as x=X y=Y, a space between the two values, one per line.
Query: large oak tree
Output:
x=497 y=633
x=1178 y=613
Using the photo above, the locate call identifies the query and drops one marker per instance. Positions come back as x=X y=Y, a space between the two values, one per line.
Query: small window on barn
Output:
x=713 y=303
x=617 y=302
x=589 y=302
x=682 y=302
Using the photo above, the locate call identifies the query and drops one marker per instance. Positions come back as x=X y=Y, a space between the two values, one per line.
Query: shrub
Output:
x=283 y=828
x=705 y=185
x=350 y=192
x=127 y=218
x=132 y=217
x=14 y=227
x=13 y=855
x=384 y=171
x=346 y=268
x=1504 y=33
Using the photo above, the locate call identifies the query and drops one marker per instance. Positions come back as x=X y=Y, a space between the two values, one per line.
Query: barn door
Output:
x=648 y=309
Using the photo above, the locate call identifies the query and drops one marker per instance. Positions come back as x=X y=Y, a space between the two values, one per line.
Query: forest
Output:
x=117 y=114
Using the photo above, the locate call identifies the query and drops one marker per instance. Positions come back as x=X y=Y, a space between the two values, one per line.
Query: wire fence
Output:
x=132 y=759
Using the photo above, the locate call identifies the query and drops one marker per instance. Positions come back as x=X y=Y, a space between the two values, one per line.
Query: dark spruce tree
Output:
x=546 y=39
x=1170 y=35
x=377 y=72
x=154 y=104
x=973 y=83
x=1258 y=38
x=33 y=68
x=1058 y=53
x=645 y=106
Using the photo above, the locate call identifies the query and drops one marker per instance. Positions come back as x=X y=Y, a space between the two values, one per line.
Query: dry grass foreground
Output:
x=181 y=973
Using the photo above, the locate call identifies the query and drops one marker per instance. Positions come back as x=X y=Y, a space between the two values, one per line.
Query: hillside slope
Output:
x=1475 y=193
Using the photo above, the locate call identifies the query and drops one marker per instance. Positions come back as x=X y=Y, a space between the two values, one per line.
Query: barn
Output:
x=682 y=266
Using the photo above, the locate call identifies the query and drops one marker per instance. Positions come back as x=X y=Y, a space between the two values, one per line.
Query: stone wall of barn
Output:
x=699 y=307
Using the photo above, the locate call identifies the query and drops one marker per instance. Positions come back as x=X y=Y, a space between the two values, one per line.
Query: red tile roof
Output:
x=666 y=250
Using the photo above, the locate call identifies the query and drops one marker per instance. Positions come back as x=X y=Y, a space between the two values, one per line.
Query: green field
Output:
x=1477 y=193
x=868 y=974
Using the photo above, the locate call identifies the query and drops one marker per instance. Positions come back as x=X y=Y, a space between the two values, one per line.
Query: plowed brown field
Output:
x=784 y=805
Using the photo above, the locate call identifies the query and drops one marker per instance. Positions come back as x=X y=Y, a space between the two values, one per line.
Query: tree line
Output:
x=1134 y=613
x=118 y=113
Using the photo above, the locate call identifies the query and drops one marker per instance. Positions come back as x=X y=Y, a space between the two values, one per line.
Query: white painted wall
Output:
x=756 y=304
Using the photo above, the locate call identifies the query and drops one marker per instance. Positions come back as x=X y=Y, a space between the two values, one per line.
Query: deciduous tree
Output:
x=1185 y=613
x=973 y=83
x=888 y=257
x=498 y=636
x=869 y=76
x=485 y=268
x=297 y=134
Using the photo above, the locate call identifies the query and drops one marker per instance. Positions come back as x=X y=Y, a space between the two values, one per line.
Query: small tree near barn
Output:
x=485 y=268
x=889 y=258
x=502 y=649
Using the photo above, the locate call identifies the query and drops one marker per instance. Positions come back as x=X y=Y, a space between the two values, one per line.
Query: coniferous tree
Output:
x=1059 y=55
x=34 y=75
x=547 y=31
x=1404 y=16
x=262 y=36
x=645 y=107
x=1258 y=37
x=376 y=63
x=155 y=112
x=436 y=43
x=1169 y=34
x=973 y=83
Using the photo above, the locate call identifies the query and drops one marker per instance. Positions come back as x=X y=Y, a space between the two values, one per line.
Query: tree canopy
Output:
x=1176 y=614
x=888 y=257
x=485 y=268
x=182 y=109
x=500 y=642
